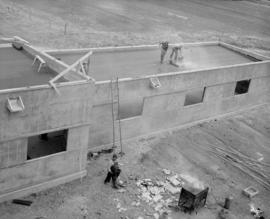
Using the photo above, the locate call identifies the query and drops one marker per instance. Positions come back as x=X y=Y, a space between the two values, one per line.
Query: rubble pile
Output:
x=159 y=194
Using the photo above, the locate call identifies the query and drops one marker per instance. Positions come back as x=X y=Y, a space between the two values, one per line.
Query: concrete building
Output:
x=66 y=103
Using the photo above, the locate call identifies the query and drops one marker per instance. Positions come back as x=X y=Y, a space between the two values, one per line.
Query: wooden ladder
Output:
x=115 y=98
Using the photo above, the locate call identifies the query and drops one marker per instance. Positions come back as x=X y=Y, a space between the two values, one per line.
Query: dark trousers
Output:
x=108 y=177
x=112 y=176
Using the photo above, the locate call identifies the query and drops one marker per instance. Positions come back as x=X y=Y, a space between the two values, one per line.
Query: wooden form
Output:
x=50 y=61
x=127 y=48
x=77 y=65
x=14 y=39
x=41 y=62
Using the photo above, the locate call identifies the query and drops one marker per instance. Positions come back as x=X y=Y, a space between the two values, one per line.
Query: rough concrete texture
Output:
x=45 y=111
x=131 y=63
x=17 y=70
x=162 y=108
x=184 y=152
x=25 y=177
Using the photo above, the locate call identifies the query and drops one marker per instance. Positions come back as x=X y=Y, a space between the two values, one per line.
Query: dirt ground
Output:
x=190 y=151
x=183 y=151
x=124 y=22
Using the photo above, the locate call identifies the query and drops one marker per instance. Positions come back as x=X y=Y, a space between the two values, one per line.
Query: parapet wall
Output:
x=45 y=110
x=163 y=108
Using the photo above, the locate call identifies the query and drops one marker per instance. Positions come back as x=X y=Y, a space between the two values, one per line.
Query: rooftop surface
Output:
x=137 y=63
x=16 y=70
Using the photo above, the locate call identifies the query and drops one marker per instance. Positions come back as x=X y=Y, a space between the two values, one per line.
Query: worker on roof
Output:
x=164 y=45
x=176 y=54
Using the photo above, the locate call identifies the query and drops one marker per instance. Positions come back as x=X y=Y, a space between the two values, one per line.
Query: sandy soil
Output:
x=123 y=22
x=183 y=151
x=186 y=151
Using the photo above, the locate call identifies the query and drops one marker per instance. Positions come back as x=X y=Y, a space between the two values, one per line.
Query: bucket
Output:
x=227 y=203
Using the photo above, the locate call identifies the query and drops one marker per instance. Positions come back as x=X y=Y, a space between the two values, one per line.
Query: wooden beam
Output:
x=51 y=61
x=82 y=67
x=54 y=87
x=14 y=39
x=71 y=67
x=88 y=66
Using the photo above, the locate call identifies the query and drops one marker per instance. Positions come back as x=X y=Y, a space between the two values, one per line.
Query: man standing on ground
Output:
x=110 y=164
x=115 y=170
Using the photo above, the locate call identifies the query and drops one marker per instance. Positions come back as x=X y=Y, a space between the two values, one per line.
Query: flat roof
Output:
x=16 y=70
x=132 y=63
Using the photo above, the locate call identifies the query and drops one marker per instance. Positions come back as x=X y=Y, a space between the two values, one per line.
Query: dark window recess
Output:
x=195 y=96
x=241 y=87
x=46 y=144
x=129 y=108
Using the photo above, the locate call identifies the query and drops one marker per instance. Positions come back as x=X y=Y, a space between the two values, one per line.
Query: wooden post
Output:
x=65 y=31
x=119 y=120
x=112 y=102
x=88 y=66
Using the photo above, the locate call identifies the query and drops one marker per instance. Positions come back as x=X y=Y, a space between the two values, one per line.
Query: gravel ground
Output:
x=122 y=22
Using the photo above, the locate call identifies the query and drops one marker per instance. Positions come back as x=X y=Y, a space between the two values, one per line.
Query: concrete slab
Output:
x=145 y=61
x=16 y=70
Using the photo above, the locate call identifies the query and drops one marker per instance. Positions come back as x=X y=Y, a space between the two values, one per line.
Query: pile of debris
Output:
x=160 y=194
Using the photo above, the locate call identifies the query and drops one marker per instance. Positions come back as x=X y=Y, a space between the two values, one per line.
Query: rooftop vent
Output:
x=155 y=83
x=15 y=104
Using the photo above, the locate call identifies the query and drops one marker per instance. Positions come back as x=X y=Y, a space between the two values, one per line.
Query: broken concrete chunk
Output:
x=168 y=201
x=122 y=209
x=118 y=205
x=146 y=196
x=171 y=189
x=158 y=207
x=156 y=215
x=121 y=190
x=173 y=180
x=250 y=191
x=95 y=155
x=159 y=183
x=154 y=190
x=156 y=198
x=134 y=203
x=167 y=172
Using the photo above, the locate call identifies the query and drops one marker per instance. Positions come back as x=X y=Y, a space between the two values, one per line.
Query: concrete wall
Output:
x=45 y=111
x=13 y=152
x=164 y=108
